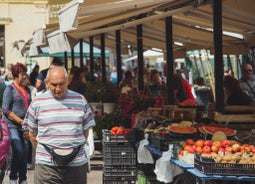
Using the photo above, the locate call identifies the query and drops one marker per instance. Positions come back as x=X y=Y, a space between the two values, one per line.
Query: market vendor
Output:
x=234 y=93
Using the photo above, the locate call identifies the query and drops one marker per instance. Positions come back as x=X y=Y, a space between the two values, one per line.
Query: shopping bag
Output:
x=90 y=141
x=143 y=154
x=163 y=167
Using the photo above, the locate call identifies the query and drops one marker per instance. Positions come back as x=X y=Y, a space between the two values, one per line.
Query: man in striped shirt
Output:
x=59 y=119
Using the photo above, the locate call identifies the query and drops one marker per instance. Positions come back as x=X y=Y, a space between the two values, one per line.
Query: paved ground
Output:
x=94 y=177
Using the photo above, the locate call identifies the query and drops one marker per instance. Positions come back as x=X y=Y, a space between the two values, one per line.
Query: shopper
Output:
x=58 y=120
x=247 y=81
x=16 y=100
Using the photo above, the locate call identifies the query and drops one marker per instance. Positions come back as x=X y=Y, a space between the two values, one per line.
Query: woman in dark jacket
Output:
x=16 y=100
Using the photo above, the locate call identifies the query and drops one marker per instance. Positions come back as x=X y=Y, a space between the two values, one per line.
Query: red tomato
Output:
x=114 y=130
x=120 y=131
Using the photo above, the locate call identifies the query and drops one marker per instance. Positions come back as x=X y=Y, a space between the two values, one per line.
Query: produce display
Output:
x=226 y=151
x=119 y=130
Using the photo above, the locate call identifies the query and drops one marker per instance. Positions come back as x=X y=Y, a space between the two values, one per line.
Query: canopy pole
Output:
x=218 y=58
x=81 y=52
x=103 y=66
x=66 y=60
x=118 y=55
x=91 y=58
x=169 y=59
x=72 y=56
x=139 y=29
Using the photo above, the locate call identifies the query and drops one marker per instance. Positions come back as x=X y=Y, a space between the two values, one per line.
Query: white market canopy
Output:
x=192 y=23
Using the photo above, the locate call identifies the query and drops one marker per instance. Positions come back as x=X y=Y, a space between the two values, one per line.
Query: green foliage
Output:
x=102 y=91
x=107 y=121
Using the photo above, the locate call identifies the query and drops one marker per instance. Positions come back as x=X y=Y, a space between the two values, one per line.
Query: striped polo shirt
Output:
x=59 y=123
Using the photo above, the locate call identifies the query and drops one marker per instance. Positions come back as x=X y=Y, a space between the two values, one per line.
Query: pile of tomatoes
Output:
x=118 y=130
x=207 y=146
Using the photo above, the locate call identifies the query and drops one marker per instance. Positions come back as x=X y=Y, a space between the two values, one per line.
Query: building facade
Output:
x=18 y=19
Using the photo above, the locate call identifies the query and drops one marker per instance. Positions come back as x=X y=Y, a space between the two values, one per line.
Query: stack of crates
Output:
x=119 y=156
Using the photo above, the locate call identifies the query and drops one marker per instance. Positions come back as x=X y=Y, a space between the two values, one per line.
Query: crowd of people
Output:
x=47 y=111
x=55 y=122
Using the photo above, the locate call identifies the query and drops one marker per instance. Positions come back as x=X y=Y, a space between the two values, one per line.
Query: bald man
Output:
x=58 y=121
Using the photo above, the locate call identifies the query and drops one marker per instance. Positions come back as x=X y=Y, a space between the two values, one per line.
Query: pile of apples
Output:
x=221 y=147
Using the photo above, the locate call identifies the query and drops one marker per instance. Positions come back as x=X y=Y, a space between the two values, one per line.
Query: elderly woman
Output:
x=234 y=94
x=16 y=100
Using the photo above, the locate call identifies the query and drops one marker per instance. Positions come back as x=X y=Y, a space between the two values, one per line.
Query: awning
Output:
x=44 y=52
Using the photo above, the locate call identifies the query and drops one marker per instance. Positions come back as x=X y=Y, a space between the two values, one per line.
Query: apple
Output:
x=216 y=143
x=199 y=150
x=208 y=143
x=214 y=148
x=247 y=149
x=225 y=143
x=221 y=151
x=206 y=149
x=181 y=152
x=199 y=143
x=189 y=142
x=187 y=147
x=236 y=147
x=228 y=149
x=191 y=150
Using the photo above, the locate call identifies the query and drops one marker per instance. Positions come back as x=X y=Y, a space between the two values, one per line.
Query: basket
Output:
x=208 y=166
x=119 y=153
x=119 y=170
x=119 y=180
x=108 y=137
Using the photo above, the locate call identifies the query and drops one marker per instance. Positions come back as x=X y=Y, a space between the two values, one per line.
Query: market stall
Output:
x=195 y=131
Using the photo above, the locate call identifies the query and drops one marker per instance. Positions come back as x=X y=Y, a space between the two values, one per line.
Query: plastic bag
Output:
x=87 y=152
x=164 y=170
x=143 y=154
x=91 y=142
x=89 y=148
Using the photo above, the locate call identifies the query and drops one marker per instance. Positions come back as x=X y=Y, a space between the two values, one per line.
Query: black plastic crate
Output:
x=121 y=153
x=208 y=166
x=119 y=179
x=108 y=137
x=119 y=170
x=159 y=142
x=162 y=142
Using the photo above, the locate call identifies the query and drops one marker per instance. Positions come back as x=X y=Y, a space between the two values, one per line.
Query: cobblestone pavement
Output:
x=94 y=177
